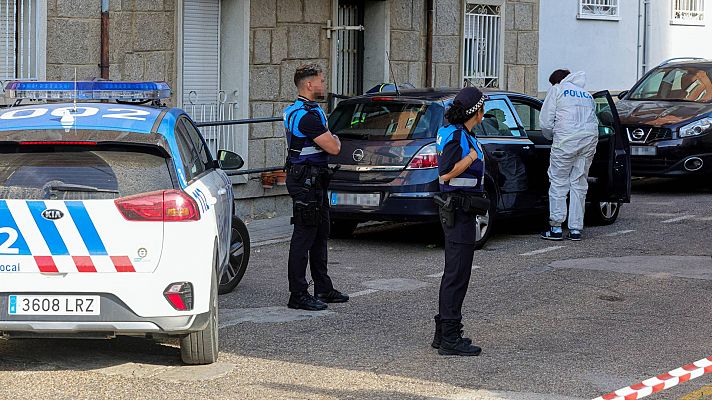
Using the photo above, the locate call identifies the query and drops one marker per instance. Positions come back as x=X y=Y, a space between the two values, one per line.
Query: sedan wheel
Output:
x=602 y=213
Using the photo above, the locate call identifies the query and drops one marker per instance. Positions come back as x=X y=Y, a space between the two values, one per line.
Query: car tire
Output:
x=602 y=213
x=239 y=257
x=342 y=228
x=485 y=223
x=201 y=347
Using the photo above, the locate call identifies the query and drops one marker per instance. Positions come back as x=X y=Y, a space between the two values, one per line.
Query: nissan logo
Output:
x=638 y=134
x=52 y=214
x=358 y=155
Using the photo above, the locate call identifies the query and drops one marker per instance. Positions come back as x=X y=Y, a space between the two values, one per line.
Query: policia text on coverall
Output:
x=461 y=168
x=309 y=143
x=569 y=114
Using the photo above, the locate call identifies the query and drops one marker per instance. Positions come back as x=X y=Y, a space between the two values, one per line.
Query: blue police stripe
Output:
x=48 y=229
x=87 y=229
x=7 y=221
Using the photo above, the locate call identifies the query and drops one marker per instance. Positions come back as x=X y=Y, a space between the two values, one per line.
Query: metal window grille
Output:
x=18 y=38
x=349 y=49
x=598 y=8
x=688 y=10
x=482 y=45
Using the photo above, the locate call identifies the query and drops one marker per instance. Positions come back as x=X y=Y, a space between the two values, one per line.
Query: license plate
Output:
x=643 y=150
x=53 y=305
x=355 y=199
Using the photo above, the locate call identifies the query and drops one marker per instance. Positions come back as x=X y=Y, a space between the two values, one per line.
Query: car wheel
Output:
x=201 y=347
x=603 y=213
x=239 y=257
x=342 y=228
x=484 y=224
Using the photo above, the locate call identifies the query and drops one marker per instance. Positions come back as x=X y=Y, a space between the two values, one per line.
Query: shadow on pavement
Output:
x=686 y=185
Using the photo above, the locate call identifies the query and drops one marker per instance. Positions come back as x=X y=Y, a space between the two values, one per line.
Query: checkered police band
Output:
x=476 y=107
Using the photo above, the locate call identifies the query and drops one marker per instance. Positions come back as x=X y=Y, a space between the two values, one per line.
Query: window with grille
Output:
x=598 y=9
x=482 y=45
x=688 y=12
x=18 y=39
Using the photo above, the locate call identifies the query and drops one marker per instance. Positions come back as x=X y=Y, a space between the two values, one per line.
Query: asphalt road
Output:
x=566 y=320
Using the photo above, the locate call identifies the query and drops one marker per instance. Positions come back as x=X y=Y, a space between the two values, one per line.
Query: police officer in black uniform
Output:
x=309 y=144
x=461 y=169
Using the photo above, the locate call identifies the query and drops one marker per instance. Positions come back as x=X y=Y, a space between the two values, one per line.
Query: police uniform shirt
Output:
x=451 y=154
x=310 y=124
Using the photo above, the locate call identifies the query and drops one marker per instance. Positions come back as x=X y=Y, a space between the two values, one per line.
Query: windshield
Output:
x=385 y=120
x=680 y=83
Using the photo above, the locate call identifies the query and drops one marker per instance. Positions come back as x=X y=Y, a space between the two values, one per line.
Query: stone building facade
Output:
x=261 y=42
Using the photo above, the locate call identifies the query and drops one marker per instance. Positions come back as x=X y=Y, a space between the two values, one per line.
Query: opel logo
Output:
x=638 y=134
x=52 y=214
x=358 y=155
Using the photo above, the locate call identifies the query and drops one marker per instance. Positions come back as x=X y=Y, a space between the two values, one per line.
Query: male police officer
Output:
x=309 y=143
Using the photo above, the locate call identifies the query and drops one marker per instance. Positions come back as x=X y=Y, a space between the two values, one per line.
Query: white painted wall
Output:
x=670 y=40
x=609 y=50
x=605 y=50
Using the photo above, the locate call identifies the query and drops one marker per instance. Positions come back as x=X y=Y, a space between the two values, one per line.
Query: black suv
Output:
x=667 y=116
x=389 y=166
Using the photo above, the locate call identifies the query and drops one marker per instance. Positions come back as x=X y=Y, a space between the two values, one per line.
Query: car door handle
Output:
x=222 y=192
x=499 y=153
x=525 y=148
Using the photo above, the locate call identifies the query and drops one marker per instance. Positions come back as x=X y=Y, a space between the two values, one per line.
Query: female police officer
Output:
x=461 y=169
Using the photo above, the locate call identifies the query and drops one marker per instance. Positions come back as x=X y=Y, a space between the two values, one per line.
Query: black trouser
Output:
x=459 y=252
x=311 y=230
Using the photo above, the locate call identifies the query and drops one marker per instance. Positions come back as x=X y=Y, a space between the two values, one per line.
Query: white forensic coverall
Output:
x=569 y=115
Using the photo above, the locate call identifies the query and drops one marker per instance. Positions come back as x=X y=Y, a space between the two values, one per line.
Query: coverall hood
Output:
x=576 y=78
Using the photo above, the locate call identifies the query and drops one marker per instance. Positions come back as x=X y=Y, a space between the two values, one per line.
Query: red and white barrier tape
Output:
x=661 y=382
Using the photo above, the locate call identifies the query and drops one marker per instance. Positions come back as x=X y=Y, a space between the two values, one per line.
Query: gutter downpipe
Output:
x=104 y=63
x=646 y=34
x=429 y=11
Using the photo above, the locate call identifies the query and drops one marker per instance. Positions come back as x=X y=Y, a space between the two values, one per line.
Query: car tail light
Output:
x=180 y=295
x=382 y=98
x=166 y=206
x=426 y=158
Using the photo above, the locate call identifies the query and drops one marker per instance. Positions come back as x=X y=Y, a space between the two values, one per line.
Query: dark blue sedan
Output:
x=388 y=164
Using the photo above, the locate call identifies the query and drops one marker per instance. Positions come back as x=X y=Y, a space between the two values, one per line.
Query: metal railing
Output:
x=598 y=8
x=223 y=127
x=482 y=45
x=688 y=10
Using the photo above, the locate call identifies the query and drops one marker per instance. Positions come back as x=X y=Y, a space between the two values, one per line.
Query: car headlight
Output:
x=696 y=128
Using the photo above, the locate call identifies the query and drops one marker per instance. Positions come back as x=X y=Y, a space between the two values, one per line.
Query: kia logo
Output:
x=52 y=214
x=358 y=155
x=638 y=134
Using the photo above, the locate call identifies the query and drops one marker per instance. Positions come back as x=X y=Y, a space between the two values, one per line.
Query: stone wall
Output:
x=283 y=35
x=142 y=39
x=521 y=46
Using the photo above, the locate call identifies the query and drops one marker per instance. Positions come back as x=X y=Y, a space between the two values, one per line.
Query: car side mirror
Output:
x=622 y=94
x=227 y=160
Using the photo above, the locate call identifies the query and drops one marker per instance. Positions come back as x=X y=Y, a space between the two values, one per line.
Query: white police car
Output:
x=114 y=218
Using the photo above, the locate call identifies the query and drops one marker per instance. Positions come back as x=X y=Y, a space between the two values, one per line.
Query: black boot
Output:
x=437 y=337
x=453 y=344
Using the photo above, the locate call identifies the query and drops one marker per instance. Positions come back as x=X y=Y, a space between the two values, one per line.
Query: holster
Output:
x=306 y=213
x=446 y=209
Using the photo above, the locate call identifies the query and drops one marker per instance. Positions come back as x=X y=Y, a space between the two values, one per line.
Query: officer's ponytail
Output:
x=457 y=113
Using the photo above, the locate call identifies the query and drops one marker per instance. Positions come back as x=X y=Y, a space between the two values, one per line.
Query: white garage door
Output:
x=201 y=52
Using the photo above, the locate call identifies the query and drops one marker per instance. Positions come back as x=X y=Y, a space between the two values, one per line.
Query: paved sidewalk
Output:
x=269 y=230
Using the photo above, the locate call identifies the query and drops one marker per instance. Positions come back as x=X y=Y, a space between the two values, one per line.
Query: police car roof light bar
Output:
x=87 y=90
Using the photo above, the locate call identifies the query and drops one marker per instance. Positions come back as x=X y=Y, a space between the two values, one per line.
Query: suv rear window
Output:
x=681 y=83
x=79 y=173
x=385 y=120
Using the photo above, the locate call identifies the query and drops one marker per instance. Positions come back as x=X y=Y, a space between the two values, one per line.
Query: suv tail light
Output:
x=426 y=158
x=166 y=206
x=180 y=295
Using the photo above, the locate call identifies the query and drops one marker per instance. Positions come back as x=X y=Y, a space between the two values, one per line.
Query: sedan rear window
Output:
x=79 y=173
x=385 y=120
